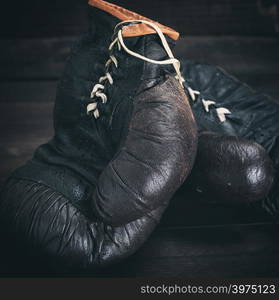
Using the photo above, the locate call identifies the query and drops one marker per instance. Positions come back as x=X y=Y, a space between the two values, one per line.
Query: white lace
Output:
x=221 y=111
x=98 y=89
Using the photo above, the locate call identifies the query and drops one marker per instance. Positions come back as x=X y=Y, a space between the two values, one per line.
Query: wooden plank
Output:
x=36 y=18
x=204 y=251
x=44 y=59
x=21 y=115
x=43 y=18
x=239 y=56
x=243 y=266
x=221 y=251
x=33 y=58
x=196 y=241
x=28 y=91
x=22 y=128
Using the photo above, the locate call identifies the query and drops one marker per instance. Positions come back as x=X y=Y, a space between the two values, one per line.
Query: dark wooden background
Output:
x=194 y=239
x=190 y=17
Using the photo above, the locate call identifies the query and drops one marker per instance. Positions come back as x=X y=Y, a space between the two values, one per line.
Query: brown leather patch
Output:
x=125 y=15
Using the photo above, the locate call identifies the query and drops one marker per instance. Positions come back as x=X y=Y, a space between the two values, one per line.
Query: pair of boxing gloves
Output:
x=124 y=144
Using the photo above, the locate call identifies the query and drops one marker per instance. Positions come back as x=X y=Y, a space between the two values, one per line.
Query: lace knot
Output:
x=98 y=89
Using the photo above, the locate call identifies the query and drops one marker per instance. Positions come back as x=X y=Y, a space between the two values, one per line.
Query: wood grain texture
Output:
x=23 y=127
x=238 y=55
x=37 y=18
x=227 y=251
x=35 y=91
x=192 y=252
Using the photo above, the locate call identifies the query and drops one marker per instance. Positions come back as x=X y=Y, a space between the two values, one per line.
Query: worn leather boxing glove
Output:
x=231 y=170
x=224 y=105
x=123 y=125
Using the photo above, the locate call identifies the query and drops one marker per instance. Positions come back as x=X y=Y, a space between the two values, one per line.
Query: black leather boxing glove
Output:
x=94 y=193
x=231 y=170
x=224 y=105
